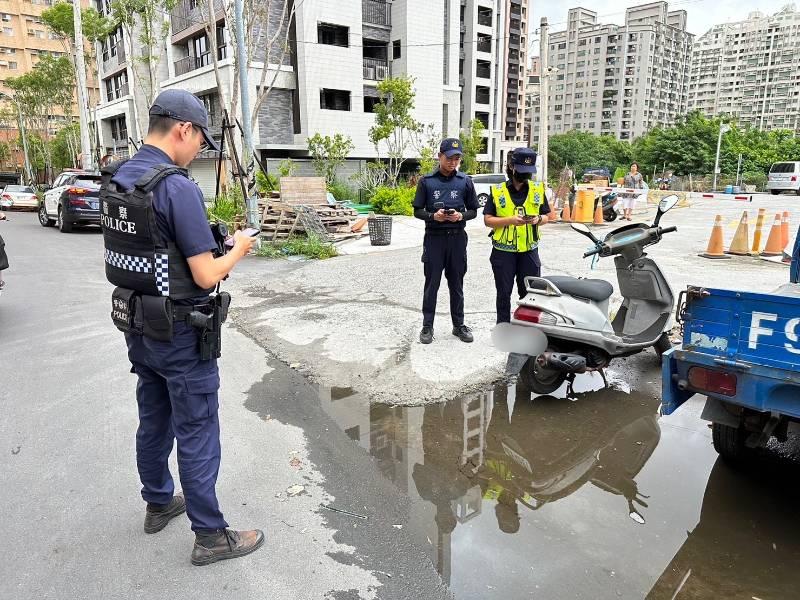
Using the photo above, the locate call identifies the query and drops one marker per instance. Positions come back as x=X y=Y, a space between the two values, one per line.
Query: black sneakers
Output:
x=426 y=335
x=463 y=333
x=156 y=519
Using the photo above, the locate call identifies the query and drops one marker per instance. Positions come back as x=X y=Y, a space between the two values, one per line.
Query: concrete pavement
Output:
x=353 y=321
x=72 y=511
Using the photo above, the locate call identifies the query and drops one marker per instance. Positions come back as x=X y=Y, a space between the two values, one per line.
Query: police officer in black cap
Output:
x=160 y=253
x=515 y=212
x=445 y=200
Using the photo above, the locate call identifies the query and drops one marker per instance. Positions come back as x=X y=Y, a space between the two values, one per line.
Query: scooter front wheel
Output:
x=539 y=379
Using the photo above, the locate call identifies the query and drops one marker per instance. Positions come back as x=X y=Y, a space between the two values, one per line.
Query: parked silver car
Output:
x=484 y=183
x=784 y=177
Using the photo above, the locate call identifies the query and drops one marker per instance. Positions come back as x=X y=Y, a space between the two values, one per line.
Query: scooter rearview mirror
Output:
x=667 y=203
x=581 y=228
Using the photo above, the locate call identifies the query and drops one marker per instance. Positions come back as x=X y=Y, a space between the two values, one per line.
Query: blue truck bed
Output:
x=749 y=342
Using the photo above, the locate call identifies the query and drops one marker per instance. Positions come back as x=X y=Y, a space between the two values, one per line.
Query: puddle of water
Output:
x=547 y=496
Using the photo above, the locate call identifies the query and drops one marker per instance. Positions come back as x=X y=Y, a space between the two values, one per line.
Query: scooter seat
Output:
x=591 y=289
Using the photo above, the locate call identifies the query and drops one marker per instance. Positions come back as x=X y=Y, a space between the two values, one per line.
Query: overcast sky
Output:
x=702 y=14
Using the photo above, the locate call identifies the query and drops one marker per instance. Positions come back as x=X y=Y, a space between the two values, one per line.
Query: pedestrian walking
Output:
x=633 y=180
x=516 y=211
x=161 y=253
x=445 y=200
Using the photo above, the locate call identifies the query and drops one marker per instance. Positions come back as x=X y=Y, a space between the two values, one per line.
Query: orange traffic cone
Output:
x=598 y=213
x=785 y=229
x=714 y=249
x=741 y=239
x=565 y=215
x=773 y=247
x=757 y=234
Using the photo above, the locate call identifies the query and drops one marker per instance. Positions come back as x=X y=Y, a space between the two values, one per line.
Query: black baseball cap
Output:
x=524 y=160
x=450 y=147
x=184 y=106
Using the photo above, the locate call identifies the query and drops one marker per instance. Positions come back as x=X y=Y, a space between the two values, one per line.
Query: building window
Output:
x=334 y=99
x=333 y=35
x=370 y=102
x=396 y=50
x=119 y=128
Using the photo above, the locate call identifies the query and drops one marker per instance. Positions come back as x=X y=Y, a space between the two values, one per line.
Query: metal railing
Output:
x=184 y=15
x=191 y=63
x=376 y=69
x=376 y=12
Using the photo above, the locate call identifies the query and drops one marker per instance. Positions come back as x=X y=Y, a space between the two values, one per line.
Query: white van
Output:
x=784 y=177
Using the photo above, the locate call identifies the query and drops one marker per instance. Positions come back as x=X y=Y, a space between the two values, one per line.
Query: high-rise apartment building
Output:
x=24 y=38
x=532 y=103
x=620 y=80
x=749 y=70
x=338 y=53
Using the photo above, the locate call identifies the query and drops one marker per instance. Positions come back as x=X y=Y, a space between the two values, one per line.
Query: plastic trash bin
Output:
x=380 y=230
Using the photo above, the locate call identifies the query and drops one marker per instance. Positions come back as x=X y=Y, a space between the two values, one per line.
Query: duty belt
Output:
x=445 y=231
x=181 y=312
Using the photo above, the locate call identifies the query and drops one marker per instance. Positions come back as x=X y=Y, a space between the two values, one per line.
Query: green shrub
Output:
x=266 y=183
x=227 y=207
x=342 y=192
x=394 y=201
x=311 y=247
x=756 y=178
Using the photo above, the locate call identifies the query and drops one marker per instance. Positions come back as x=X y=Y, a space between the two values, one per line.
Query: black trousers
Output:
x=444 y=252
x=510 y=266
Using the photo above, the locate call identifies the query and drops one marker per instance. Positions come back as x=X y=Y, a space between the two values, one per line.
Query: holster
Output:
x=210 y=326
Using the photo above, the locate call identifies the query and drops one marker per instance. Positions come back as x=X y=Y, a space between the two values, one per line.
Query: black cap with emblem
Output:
x=186 y=107
x=451 y=147
x=524 y=160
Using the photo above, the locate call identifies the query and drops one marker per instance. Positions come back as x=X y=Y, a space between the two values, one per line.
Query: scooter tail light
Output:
x=534 y=315
x=708 y=380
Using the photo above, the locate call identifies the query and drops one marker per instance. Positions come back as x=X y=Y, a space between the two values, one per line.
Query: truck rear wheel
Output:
x=729 y=442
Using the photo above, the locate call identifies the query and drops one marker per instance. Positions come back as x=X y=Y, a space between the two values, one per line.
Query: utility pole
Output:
x=244 y=91
x=544 y=100
x=80 y=67
x=722 y=129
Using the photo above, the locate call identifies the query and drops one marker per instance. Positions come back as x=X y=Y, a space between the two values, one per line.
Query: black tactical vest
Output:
x=137 y=257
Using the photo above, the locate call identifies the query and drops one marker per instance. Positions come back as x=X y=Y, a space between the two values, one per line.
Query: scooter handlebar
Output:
x=668 y=229
x=591 y=253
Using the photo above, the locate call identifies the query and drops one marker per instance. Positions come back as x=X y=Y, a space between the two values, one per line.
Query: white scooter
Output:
x=573 y=313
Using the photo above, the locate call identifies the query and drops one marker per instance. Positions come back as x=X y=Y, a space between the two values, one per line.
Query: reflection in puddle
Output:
x=504 y=454
x=520 y=496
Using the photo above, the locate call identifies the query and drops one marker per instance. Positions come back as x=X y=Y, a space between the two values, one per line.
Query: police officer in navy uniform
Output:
x=159 y=252
x=445 y=200
x=515 y=212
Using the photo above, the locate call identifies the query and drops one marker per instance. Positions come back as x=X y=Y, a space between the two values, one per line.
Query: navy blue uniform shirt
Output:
x=471 y=205
x=177 y=202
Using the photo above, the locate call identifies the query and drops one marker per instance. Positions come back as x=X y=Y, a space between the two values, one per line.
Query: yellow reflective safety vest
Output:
x=517 y=238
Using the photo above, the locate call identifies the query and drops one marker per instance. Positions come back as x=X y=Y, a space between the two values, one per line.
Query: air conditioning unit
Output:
x=369 y=72
x=381 y=72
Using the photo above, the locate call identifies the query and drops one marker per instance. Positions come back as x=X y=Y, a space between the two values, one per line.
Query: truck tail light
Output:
x=534 y=315
x=717 y=382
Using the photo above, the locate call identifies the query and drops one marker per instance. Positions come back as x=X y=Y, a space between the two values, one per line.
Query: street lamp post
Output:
x=722 y=129
x=28 y=169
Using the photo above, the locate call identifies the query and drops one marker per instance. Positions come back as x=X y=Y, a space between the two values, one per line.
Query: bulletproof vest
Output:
x=136 y=254
x=452 y=192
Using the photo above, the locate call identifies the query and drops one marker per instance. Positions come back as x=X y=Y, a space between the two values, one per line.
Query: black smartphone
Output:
x=449 y=211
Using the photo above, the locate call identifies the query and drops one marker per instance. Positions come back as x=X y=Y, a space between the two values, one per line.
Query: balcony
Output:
x=484 y=44
x=187 y=14
x=376 y=12
x=112 y=62
x=485 y=17
x=484 y=71
x=375 y=69
x=192 y=63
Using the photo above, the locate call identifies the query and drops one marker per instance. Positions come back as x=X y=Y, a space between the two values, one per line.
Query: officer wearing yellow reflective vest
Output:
x=516 y=211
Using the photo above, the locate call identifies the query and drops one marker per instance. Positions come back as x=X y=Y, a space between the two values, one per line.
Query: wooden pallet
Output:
x=279 y=220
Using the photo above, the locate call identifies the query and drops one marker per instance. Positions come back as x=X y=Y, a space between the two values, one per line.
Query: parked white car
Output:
x=18 y=196
x=784 y=177
x=484 y=184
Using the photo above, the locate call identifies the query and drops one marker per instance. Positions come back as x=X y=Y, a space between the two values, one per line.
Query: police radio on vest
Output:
x=119 y=225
